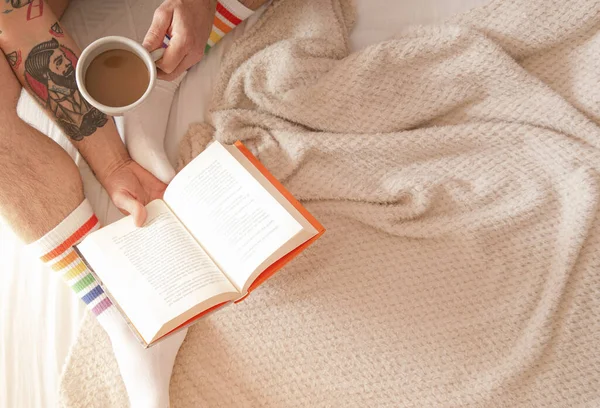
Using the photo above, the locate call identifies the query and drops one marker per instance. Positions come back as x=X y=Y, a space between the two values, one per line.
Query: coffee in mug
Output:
x=117 y=78
x=116 y=74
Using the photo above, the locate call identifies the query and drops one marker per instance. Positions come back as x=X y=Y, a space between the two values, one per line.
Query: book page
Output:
x=268 y=185
x=235 y=219
x=155 y=273
x=308 y=230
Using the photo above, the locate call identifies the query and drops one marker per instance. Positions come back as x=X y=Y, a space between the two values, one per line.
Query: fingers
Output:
x=156 y=33
x=189 y=61
x=189 y=25
x=129 y=205
x=182 y=44
x=175 y=53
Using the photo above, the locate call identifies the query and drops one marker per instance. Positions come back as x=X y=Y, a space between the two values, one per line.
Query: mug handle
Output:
x=158 y=53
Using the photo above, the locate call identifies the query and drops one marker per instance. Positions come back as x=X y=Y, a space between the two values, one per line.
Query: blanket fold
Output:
x=457 y=170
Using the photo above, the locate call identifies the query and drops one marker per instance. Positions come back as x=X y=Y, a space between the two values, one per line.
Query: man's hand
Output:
x=189 y=23
x=131 y=187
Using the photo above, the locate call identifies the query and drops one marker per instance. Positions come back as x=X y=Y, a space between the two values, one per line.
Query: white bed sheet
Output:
x=39 y=317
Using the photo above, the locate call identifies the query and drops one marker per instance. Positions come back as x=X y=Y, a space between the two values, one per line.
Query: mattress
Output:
x=39 y=317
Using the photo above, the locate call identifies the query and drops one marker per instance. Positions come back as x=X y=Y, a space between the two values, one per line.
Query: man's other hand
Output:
x=189 y=23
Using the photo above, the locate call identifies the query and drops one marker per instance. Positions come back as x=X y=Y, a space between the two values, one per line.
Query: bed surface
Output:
x=39 y=317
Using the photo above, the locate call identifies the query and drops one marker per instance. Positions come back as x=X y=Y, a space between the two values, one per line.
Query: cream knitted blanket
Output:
x=457 y=171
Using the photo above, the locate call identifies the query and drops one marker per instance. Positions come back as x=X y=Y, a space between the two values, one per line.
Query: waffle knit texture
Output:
x=457 y=171
x=55 y=249
x=228 y=15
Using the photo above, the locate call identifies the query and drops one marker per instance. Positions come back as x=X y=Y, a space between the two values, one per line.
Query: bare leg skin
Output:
x=39 y=183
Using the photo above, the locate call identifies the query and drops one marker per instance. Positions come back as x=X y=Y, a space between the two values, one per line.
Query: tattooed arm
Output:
x=43 y=58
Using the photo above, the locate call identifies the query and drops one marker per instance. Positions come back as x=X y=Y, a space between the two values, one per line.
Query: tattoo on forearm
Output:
x=14 y=4
x=56 y=30
x=50 y=74
x=14 y=59
x=35 y=8
x=19 y=3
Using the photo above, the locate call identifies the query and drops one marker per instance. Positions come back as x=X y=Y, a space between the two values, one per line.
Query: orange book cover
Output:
x=277 y=265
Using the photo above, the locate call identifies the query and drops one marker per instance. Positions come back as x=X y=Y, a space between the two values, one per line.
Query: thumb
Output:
x=129 y=205
x=156 y=33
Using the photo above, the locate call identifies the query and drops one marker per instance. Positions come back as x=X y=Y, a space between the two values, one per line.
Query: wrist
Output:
x=104 y=151
x=103 y=173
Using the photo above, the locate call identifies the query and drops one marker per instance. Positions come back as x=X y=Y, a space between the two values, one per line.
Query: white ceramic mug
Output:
x=117 y=43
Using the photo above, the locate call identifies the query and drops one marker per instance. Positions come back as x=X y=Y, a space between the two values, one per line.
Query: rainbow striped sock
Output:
x=55 y=249
x=228 y=15
x=145 y=372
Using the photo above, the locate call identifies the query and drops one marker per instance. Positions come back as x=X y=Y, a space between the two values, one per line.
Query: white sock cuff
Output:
x=237 y=9
x=70 y=230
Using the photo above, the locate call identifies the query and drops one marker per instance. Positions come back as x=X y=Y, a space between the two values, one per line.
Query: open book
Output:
x=224 y=227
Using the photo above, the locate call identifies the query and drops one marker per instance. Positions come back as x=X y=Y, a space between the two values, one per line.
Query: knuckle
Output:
x=152 y=33
x=162 y=14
